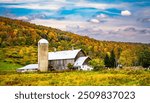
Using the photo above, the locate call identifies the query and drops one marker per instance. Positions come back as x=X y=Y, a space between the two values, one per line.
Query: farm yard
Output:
x=111 y=77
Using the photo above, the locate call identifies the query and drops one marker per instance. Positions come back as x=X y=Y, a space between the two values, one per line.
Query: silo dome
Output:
x=43 y=41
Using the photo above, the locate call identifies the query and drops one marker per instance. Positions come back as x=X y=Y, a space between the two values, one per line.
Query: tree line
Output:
x=16 y=34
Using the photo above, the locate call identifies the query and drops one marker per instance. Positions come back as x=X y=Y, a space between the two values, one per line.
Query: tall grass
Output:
x=78 y=78
x=109 y=77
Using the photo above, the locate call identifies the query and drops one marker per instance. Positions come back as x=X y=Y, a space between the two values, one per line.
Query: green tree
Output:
x=107 y=61
x=97 y=64
x=3 y=36
x=144 y=58
x=112 y=59
x=119 y=50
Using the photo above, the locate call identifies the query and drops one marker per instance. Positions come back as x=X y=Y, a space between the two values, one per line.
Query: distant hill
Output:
x=18 y=43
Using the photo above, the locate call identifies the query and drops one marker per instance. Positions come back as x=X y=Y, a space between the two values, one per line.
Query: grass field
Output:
x=8 y=66
x=124 y=77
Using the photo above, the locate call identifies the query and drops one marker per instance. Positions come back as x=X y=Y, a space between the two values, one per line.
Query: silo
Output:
x=43 y=55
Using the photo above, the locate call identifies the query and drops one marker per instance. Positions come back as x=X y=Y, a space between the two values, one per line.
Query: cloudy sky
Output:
x=113 y=20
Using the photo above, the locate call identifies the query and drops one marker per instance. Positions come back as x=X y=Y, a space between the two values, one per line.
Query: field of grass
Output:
x=124 y=77
x=8 y=66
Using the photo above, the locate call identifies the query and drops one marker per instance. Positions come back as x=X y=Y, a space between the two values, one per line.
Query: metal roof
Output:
x=80 y=61
x=30 y=66
x=67 y=54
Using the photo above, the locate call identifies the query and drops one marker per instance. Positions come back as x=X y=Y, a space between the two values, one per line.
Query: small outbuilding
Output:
x=28 y=68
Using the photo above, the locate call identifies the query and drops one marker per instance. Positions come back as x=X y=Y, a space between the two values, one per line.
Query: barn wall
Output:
x=61 y=64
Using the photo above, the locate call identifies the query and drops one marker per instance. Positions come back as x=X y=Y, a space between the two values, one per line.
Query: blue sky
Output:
x=113 y=20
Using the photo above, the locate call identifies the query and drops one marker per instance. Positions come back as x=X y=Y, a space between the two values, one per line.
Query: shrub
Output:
x=70 y=66
x=97 y=64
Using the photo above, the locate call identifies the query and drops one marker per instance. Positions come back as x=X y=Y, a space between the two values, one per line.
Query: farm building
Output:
x=58 y=60
x=30 y=67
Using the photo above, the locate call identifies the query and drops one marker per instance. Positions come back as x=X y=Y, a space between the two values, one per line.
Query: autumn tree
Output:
x=24 y=34
x=128 y=58
x=97 y=64
x=3 y=37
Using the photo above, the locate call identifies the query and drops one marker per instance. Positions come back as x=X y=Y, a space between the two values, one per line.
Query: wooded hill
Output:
x=18 y=44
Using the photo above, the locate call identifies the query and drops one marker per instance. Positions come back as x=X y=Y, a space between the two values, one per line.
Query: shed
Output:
x=28 y=68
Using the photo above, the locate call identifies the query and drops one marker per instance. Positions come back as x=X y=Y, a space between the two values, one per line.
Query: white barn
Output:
x=57 y=60
x=60 y=59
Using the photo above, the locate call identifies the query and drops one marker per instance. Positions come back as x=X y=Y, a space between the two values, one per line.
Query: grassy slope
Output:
x=4 y=66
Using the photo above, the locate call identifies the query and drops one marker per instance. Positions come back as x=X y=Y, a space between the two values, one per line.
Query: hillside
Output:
x=18 y=43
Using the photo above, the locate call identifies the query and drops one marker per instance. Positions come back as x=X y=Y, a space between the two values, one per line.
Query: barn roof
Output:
x=80 y=61
x=30 y=66
x=67 y=54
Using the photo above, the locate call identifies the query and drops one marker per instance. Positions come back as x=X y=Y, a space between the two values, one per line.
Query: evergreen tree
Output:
x=112 y=59
x=107 y=61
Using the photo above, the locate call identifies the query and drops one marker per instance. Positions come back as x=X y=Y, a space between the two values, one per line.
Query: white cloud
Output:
x=102 y=26
x=27 y=1
x=57 y=4
x=126 y=13
x=114 y=29
x=94 y=21
x=22 y=18
x=83 y=3
x=42 y=6
x=102 y=16
x=60 y=24
x=17 y=1
x=95 y=5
